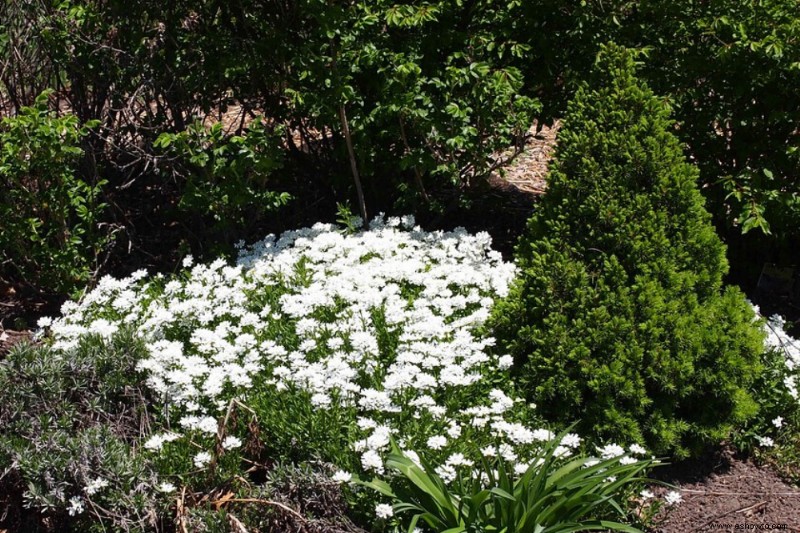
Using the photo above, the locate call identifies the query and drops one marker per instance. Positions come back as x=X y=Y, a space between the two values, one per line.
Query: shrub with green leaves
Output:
x=774 y=436
x=730 y=68
x=619 y=317
x=226 y=177
x=51 y=236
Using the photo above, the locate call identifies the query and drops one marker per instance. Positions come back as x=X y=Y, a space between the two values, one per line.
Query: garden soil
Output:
x=726 y=493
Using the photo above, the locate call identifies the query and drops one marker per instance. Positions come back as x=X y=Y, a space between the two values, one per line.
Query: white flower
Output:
x=210 y=336
x=188 y=261
x=384 y=510
x=380 y=438
x=610 y=451
x=201 y=459
x=156 y=442
x=627 y=460
x=437 y=442
x=562 y=452
x=447 y=472
x=458 y=459
x=342 y=477
x=75 y=506
x=321 y=400
x=505 y=362
x=543 y=435
x=507 y=452
x=521 y=468
x=637 y=450
x=45 y=322
x=407 y=221
x=366 y=423
x=501 y=402
x=208 y=424
x=231 y=442
x=646 y=494
x=765 y=442
x=103 y=327
x=95 y=486
x=370 y=460
x=454 y=431
x=778 y=422
x=166 y=487
x=414 y=456
x=673 y=498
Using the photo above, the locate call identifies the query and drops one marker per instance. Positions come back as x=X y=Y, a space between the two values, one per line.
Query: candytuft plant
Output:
x=619 y=317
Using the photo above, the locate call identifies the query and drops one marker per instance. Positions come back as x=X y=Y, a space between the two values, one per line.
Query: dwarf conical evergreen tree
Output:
x=619 y=318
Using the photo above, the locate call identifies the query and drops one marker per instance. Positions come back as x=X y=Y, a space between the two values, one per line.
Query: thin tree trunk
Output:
x=417 y=175
x=362 y=206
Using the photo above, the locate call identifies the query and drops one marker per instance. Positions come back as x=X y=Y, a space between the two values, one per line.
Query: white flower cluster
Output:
x=778 y=339
x=307 y=311
x=95 y=486
x=76 y=506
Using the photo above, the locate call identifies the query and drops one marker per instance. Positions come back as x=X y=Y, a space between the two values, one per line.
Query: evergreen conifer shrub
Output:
x=619 y=317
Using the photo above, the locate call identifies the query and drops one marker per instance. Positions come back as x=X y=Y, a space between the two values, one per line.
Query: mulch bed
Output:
x=724 y=492
x=9 y=338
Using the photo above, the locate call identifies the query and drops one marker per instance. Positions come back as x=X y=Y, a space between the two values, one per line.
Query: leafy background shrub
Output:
x=619 y=316
x=51 y=240
x=225 y=176
x=412 y=99
x=730 y=71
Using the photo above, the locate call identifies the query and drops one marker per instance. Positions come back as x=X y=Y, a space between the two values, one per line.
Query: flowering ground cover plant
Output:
x=774 y=435
x=320 y=345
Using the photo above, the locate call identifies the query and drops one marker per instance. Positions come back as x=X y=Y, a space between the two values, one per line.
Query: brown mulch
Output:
x=527 y=171
x=722 y=491
x=9 y=338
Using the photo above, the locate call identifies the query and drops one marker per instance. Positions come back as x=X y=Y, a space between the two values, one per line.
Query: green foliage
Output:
x=618 y=317
x=553 y=495
x=427 y=90
x=69 y=421
x=51 y=238
x=226 y=176
x=430 y=90
x=741 y=125
x=774 y=436
x=730 y=67
x=427 y=87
